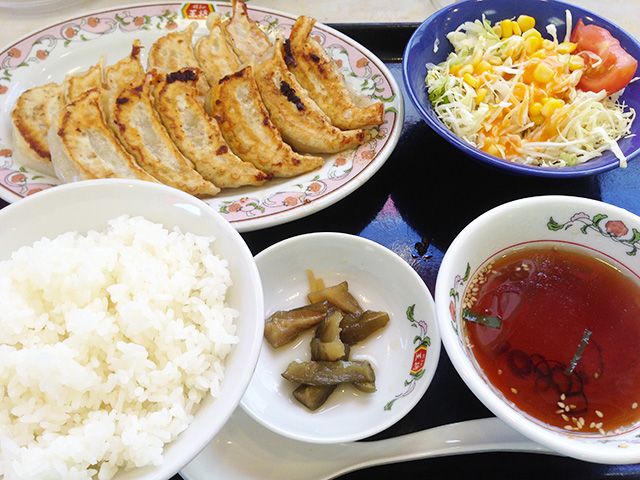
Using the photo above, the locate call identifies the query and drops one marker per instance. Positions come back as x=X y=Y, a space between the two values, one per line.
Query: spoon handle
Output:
x=473 y=436
x=245 y=450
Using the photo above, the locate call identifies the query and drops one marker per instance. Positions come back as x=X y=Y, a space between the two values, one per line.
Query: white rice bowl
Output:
x=109 y=342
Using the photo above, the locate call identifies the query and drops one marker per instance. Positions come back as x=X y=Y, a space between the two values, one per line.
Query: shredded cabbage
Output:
x=489 y=93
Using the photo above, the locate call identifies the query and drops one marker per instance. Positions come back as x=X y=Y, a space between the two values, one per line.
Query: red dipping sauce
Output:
x=567 y=350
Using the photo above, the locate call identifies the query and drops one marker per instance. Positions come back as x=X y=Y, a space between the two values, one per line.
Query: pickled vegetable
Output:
x=329 y=373
x=313 y=396
x=356 y=328
x=339 y=296
x=326 y=345
x=286 y=325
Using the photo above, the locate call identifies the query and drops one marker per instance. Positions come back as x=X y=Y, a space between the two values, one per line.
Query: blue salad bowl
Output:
x=429 y=44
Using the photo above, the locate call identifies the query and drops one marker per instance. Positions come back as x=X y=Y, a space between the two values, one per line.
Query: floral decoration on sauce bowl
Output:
x=74 y=45
x=404 y=354
x=608 y=232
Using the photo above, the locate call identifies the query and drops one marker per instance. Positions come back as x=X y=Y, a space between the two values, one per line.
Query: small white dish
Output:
x=404 y=354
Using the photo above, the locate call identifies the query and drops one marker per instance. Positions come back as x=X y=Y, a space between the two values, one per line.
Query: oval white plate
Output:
x=75 y=45
x=404 y=354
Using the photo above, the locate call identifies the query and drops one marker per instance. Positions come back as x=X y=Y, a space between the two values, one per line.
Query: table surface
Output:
x=415 y=205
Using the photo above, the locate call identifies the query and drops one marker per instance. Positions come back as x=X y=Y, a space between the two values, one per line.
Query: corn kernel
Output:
x=497 y=30
x=551 y=106
x=493 y=150
x=455 y=68
x=539 y=54
x=531 y=44
x=506 y=28
x=481 y=94
x=516 y=28
x=532 y=32
x=548 y=44
x=464 y=70
x=543 y=73
x=494 y=60
x=535 y=108
x=537 y=119
x=482 y=67
x=576 y=62
x=525 y=22
x=474 y=82
x=566 y=47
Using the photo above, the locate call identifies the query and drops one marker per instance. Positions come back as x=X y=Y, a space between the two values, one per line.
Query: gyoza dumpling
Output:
x=124 y=71
x=30 y=121
x=244 y=122
x=84 y=147
x=138 y=126
x=215 y=55
x=316 y=71
x=197 y=135
x=300 y=121
x=174 y=51
x=75 y=85
x=247 y=39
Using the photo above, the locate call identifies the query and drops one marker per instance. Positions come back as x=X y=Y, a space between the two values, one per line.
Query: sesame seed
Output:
x=592 y=425
x=565 y=417
x=567 y=408
x=602 y=432
x=560 y=411
x=596 y=375
x=563 y=397
x=635 y=405
x=500 y=371
x=568 y=427
x=561 y=405
x=514 y=390
x=622 y=445
x=599 y=413
x=599 y=425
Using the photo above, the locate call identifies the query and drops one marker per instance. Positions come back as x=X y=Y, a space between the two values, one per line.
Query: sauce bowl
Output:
x=608 y=232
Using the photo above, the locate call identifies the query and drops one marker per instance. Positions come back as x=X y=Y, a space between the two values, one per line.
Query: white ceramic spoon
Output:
x=245 y=450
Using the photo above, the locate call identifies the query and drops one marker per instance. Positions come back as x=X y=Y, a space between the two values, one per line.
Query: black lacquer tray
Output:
x=415 y=205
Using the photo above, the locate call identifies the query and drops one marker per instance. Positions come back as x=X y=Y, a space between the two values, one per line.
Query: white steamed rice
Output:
x=108 y=342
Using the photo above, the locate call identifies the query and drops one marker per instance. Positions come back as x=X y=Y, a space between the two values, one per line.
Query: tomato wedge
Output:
x=617 y=67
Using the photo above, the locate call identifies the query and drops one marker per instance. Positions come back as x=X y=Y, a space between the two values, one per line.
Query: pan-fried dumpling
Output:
x=197 y=135
x=84 y=147
x=124 y=71
x=174 y=51
x=247 y=39
x=215 y=55
x=75 y=85
x=30 y=121
x=316 y=71
x=244 y=121
x=138 y=126
x=300 y=121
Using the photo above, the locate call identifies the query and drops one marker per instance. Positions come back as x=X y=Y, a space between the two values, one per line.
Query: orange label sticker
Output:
x=197 y=11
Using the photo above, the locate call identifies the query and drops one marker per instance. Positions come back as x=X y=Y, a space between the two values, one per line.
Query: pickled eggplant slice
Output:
x=366 y=387
x=285 y=325
x=326 y=345
x=329 y=373
x=356 y=328
x=313 y=396
x=339 y=296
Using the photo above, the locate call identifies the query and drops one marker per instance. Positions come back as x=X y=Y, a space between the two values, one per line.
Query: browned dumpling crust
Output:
x=249 y=42
x=76 y=85
x=84 y=147
x=174 y=51
x=138 y=126
x=215 y=55
x=317 y=72
x=31 y=118
x=301 y=122
x=197 y=135
x=125 y=71
x=236 y=105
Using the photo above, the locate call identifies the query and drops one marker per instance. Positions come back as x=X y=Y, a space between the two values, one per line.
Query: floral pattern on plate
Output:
x=76 y=44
